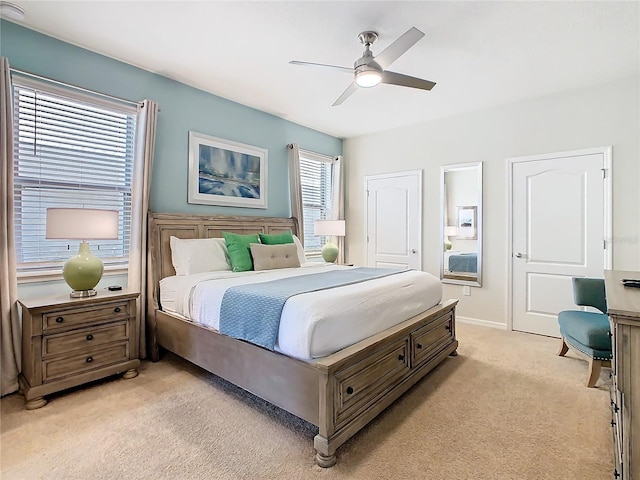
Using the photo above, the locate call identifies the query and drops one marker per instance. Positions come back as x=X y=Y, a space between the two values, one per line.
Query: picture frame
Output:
x=467 y=222
x=226 y=173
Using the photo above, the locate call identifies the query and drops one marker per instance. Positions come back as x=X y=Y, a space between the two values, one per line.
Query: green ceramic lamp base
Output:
x=330 y=252
x=83 y=272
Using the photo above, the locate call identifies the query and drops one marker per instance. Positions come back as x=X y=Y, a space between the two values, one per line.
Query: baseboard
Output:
x=483 y=323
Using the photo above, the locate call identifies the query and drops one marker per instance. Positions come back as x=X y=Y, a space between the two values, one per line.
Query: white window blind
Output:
x=316 y=173
x=70 y=150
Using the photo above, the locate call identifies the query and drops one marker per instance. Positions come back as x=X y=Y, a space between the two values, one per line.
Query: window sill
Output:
x=55 y=275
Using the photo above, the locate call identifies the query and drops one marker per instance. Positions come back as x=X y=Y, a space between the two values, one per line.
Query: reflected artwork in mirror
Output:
x=461 y=224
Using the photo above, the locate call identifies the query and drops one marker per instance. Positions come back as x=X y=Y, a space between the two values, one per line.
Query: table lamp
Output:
x=83 y=271
x=449 y=232
x=329 y=228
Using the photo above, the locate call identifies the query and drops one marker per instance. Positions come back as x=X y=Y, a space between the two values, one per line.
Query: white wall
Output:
x=462 y=190
x=591 y=117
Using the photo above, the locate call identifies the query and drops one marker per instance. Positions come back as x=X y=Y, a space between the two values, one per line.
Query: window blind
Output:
x=315 y=180
x=69 y=152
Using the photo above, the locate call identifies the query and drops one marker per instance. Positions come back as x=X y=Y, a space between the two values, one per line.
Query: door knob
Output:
x=413 y=250
x=521 y=255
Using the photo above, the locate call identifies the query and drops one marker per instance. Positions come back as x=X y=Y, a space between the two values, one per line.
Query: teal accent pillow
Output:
x=276 y=238
x=239 y=250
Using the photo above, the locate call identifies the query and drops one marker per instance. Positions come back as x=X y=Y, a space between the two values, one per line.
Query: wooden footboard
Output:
x=359 y=382
x=340 y=393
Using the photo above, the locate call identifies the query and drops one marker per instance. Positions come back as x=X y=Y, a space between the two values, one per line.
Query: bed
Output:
x=339 y=393
x=464 y=262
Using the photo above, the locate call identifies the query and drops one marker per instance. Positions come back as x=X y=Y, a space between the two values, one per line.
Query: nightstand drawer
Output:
x=67 y=318
x=85 y=338
x=90 y=360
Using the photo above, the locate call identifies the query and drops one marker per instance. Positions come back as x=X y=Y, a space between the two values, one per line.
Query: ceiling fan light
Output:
x=11 y=10
x=368 y=78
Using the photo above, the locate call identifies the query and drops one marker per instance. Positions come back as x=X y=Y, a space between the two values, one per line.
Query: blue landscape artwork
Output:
x=228 y=173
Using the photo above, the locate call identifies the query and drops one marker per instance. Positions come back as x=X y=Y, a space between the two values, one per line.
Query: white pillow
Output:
x=301 y=256
x=199 y=255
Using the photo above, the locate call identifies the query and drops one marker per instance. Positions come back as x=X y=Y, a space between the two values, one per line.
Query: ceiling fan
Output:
x=369 y=71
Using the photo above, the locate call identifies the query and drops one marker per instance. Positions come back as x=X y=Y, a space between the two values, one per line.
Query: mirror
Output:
x=461 y=223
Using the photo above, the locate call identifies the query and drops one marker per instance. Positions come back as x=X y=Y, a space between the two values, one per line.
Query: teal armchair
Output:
x=587 y=332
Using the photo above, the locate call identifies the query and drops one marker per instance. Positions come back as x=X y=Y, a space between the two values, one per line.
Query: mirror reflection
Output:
x=461 y=224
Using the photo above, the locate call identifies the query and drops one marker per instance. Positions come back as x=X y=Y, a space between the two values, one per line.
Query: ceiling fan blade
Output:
x=397 y=48
x=346 y=94
x=394 y=78
x=308 y=64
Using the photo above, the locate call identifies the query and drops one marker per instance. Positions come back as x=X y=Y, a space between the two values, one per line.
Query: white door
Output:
x=393 y=224
x=560 y=213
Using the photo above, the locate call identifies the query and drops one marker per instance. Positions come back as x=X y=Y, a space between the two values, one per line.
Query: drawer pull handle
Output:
x=614 y=406
x=349 y=390
x=401 y=357
x=616 y=474
x=447 y=327
x=89 y=337
x=117 y=309
x=613 y=423
x=89 y=359
x=419 y=345
x=59 y=320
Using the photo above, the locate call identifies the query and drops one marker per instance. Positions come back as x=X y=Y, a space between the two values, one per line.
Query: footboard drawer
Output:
x=431 y=338
x=359 y=385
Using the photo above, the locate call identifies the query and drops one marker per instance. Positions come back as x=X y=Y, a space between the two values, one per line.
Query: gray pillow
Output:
x=269 y=257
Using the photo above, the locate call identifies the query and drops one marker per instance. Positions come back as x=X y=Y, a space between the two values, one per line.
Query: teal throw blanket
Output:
x=464 y=262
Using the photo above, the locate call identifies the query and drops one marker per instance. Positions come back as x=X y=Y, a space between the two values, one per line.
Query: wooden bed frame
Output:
x=340 y=393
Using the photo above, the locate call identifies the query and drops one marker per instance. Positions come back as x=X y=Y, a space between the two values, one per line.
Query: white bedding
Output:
x=314 y=324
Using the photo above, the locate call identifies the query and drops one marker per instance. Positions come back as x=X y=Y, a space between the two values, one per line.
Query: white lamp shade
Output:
x=82 y=224
x=329 y=228
x=450 y=231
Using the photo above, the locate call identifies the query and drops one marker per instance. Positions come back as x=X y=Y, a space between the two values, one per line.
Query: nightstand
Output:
x=67 y=342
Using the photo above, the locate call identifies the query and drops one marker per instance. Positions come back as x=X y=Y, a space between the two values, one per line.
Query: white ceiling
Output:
x=480 y=54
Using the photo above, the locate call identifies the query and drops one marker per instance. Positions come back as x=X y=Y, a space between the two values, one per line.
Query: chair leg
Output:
x=594 y=372
x=563 y=348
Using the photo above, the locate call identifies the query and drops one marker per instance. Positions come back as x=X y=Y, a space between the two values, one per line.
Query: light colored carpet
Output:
x=506 y=408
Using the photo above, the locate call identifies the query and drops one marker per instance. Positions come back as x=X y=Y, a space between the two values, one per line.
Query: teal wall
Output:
x=183 y=108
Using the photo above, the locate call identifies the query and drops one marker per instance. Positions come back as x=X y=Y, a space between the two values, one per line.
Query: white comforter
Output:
x=314 y=324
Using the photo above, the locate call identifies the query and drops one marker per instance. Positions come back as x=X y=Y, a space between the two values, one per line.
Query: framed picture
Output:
x=467 y=223
x=226 y=173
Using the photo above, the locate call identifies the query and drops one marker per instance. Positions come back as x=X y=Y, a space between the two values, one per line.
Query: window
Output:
x=71 y=149
x=316 y=174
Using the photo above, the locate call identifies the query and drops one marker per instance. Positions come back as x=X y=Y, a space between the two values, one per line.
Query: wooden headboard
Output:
x=162 y=226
